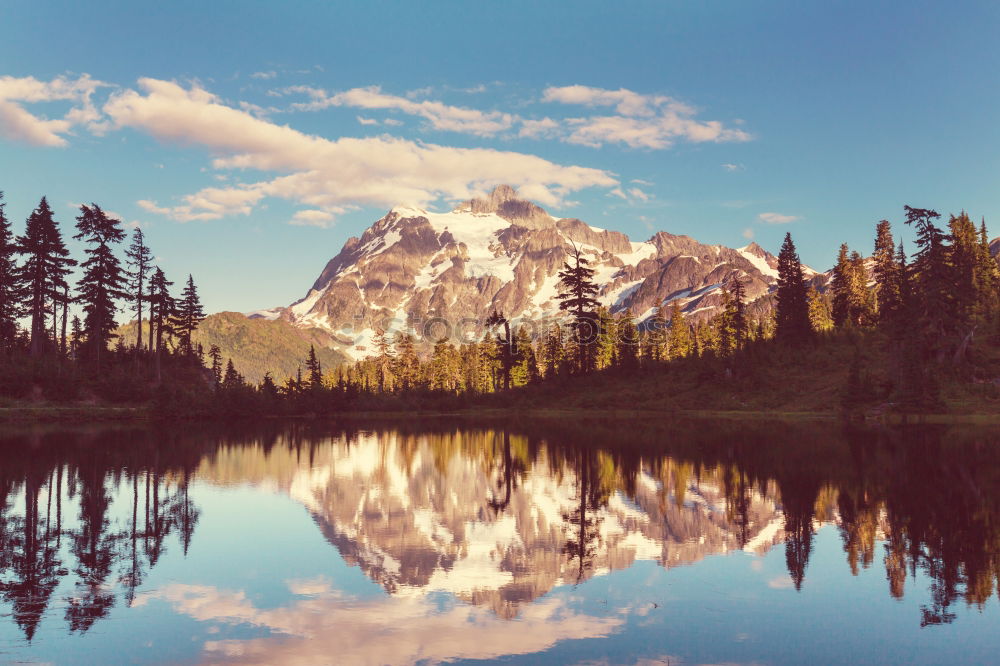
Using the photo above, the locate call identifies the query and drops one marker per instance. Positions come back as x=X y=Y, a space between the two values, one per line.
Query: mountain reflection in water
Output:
x=470 y=528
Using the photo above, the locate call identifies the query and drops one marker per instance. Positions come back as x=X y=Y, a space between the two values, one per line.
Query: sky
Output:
x=249 y=140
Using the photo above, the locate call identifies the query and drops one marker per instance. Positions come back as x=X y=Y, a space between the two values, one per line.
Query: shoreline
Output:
x=101 y=413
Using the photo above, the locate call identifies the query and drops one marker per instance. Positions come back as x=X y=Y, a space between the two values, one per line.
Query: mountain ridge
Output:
x=441 y=274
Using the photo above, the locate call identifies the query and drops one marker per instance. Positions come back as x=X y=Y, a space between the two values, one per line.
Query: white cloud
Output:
x=777 y=218
x=367 y=121
x=17 y=123
x=640 y=181
x=313 y=218
x=392 y=121
x=643 y=121
x=632 y=194
x=439 y=116
x=328 y=174
x=748 y=233
x=732 y=167
x=264 y=75
x=533 y=129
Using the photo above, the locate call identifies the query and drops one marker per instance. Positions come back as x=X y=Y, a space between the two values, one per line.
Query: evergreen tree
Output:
x=840 y=288
x=215 y=355
x=103 y=280
x=505 y=348
x=606 y=344
x=162 y=309
x=987 y=275
x=577 y=296
x=188 y=315
x=658 y=343
x=681 y=343
x=407 y=362
x=792 y=307
x=628 y=341
x=231 y=379
x=886 y=273
x=861 y=301
x=385 y=361
x=820 y=317
x=930 y=277
x=140 y=263
x=43 y=271
x=553 y=352
x=444 y=367
x=738 y=313
x=964 y=265
x=314 y=369
x=11 y=289
x=525 y=370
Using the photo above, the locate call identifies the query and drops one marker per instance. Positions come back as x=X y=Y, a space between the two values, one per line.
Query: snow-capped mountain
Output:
x=443 y=273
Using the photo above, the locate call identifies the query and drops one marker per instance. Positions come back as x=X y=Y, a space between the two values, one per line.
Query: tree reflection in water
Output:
x=97 y=508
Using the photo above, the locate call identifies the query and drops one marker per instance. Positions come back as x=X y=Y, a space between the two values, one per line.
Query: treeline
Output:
x=920 y=314
x=59 y=357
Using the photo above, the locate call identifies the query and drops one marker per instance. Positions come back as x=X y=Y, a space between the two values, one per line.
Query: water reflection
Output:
x=467 y=528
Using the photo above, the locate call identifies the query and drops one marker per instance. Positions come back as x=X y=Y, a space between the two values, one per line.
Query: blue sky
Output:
x=250 y=139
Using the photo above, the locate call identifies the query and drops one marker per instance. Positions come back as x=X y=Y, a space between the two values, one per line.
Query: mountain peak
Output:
x=504 y=202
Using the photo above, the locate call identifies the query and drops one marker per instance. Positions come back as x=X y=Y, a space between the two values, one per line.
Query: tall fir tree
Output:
x=930 y=277
x=553 y=351
x=11 y=289
x=627 y=336
x=103 y=280
x=315 y=370
x=680 y=341
x=792 y=307
x=840 y=287
x=162 y=308
x=577 y=296
x=886 y=273
x=215 y=356
x=189 y=313
x=43 y=271
x=140 y=262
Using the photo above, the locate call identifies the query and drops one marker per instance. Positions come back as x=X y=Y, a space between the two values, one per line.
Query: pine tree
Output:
x=162 y=309
x=577 y=296
x=444 y=367
x=505 y=349
x=840 y=288
x=792 y=308
x=43 y=271
x=11 y=289
x=140 y=262
x=189 y=315
x=103 y=280
x=658 y=343
x=819 y=311
x=963 y=264
x=385 y=361
x=315 y=370
x=680 y=340
x=553 y=352
x=525 y=370
x=231 y=379
x=606 y=344
x=738 y=313
x=861 y=302
x=886 y=272
x=215 y=355
x=987 y=275
x=628 y=341
x=407 y=362
x=930 y=276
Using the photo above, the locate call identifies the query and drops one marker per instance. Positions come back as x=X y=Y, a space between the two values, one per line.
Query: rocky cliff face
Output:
x=441 y=274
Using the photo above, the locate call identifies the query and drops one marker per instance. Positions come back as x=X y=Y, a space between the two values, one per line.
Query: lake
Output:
x=563 y=541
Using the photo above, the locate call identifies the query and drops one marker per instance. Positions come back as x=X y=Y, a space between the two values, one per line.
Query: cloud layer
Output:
x=327 y=175
x=19 y=124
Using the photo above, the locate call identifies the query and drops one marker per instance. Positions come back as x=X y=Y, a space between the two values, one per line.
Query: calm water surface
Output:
x=575 y=543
